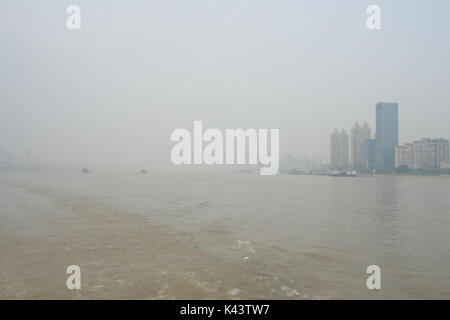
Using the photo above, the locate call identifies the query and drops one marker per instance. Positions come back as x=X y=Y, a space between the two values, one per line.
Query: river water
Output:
x=204 y=235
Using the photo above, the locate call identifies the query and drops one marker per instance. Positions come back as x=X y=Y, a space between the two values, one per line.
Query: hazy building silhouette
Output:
x=423 y=154
x=387 y=135
x=339 y=149
x=289 y=163
x=355 y=149
x=344 y=149
x=359 y=135
x=443 y=152
x=334 y=148
x=369 y=160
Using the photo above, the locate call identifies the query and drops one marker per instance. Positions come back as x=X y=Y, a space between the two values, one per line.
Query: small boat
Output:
x=343 y=173
x=85 y=170
x=143 y=171
x=319 y=172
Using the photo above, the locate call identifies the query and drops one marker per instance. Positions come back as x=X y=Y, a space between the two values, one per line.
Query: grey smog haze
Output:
x=111 y=93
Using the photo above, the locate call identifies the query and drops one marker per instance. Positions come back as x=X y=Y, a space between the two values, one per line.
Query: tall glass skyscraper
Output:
x=386 y=135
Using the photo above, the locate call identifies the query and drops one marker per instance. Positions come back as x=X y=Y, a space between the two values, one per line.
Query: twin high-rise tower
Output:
x=359 y=135
x=339 y=149
x=368 y=153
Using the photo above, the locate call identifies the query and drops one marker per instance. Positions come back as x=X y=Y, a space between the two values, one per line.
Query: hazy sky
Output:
x=111 y=93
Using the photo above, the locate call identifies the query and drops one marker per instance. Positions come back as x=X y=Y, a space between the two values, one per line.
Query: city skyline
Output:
x=383 y=152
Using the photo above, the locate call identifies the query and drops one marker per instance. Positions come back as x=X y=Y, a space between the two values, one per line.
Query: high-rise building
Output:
x=334 y=148
x=387 y=135
x=369 y=154
x=359 y=135
x=423 y=154
x=443 y=152
x=339 y=149
x=344 y=150
x=365 y=132
x=356 y=144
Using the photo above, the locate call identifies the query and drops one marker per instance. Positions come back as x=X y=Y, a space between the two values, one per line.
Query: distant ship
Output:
x=85 y=170
x=342 y=173
x=319 y=172
x=143 y=171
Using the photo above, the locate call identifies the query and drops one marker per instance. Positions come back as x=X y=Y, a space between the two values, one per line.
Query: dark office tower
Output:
x=387 y=135
x=369 y=154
